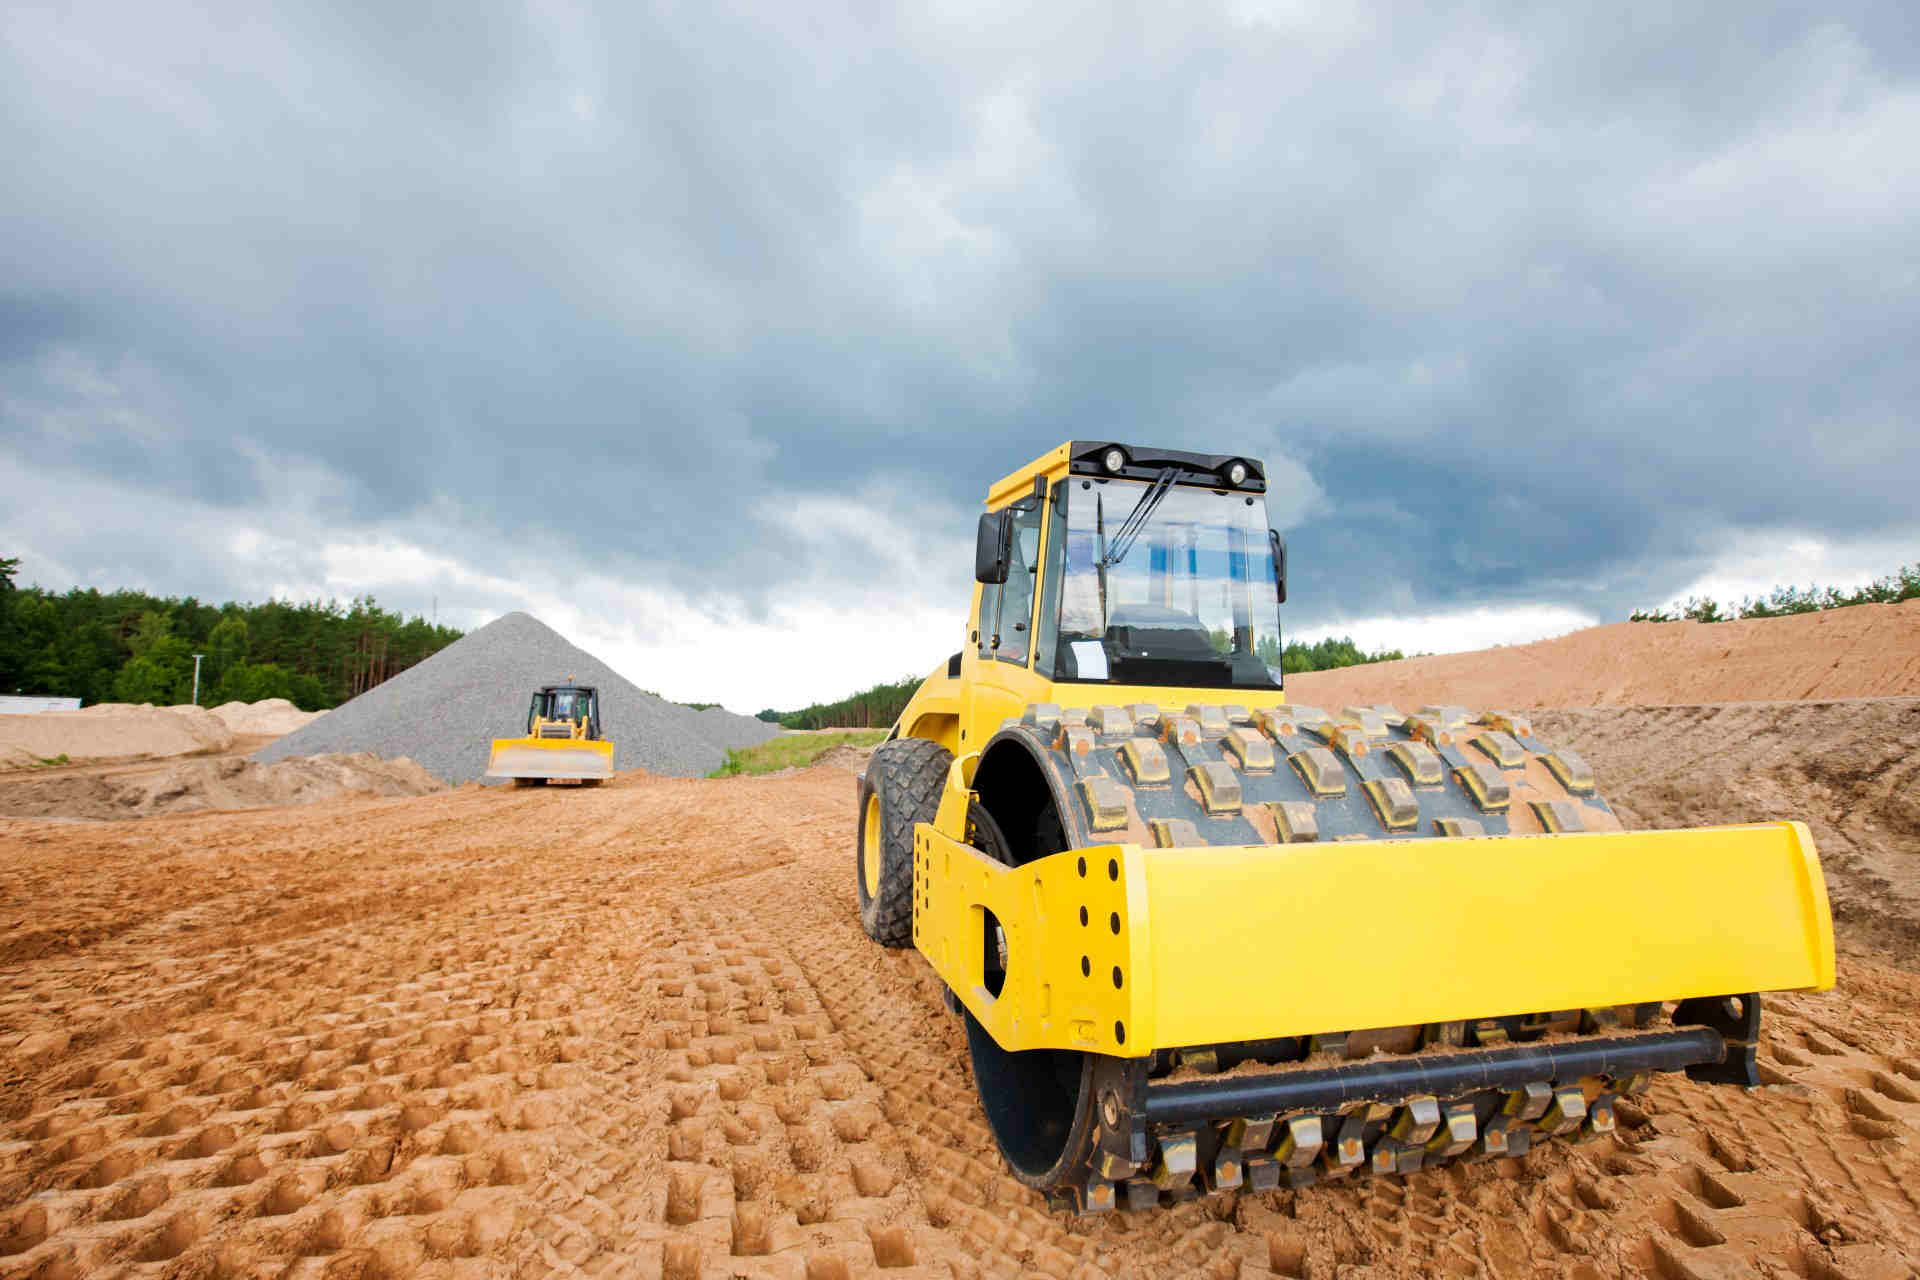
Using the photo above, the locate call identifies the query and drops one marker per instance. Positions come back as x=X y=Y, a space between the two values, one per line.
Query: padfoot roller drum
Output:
x=1203 y=940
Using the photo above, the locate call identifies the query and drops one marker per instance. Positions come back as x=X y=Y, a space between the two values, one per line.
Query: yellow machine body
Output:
x=562 y=744
x=1439 y=929
x=1234 y=879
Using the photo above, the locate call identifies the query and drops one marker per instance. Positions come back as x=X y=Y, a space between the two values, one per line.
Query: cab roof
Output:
x=1088 y=457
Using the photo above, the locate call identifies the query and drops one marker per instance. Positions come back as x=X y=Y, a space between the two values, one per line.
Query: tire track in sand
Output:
x=638 y=1032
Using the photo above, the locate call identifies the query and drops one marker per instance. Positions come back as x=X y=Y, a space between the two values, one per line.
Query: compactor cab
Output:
x=563 y=742
x=1204 y=939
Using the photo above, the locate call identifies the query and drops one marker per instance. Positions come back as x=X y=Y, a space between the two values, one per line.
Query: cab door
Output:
x=1003 y=632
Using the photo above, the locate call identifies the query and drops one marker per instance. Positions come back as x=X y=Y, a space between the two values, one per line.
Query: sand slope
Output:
x=111 y=731
x=122 y=731
x=637 y=1031
x=225 y=783
x=270 y=716
x=1865 y=651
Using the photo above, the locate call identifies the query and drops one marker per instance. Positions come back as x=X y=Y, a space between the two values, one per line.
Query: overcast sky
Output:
x=699 y=331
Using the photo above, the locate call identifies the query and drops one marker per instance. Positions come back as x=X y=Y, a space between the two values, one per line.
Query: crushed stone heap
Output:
x=445 y=712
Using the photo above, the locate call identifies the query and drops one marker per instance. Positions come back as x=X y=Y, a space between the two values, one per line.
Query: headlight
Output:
x=1237 y=474
x=1114 y=459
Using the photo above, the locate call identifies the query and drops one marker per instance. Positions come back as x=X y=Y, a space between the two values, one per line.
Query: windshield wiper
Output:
x=1137 y=519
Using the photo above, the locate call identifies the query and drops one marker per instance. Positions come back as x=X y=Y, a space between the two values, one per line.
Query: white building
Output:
x=10 y=706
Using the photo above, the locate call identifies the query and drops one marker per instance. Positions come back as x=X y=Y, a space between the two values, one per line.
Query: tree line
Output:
x=1781 y=601
x=881 y=705
x=128 y=646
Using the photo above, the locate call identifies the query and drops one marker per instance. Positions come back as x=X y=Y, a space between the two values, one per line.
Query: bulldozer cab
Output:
x=574 y=706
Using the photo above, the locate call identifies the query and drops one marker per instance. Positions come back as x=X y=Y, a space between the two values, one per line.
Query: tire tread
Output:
x=909 y=774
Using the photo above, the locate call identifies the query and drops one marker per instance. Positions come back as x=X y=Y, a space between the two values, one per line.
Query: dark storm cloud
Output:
x=1549 y=307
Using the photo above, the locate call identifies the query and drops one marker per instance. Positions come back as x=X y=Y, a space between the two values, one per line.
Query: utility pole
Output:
x=196 y=678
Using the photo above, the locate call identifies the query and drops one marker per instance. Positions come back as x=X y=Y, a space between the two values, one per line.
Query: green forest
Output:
x=128 y=646
x=881 y=705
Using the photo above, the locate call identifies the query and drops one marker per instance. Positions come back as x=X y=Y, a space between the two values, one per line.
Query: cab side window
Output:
x=1016 y=597
x=989 y=603
x=1046 y=641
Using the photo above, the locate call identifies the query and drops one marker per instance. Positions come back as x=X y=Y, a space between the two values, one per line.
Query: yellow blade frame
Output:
x=1122 y=950
x=550 y=758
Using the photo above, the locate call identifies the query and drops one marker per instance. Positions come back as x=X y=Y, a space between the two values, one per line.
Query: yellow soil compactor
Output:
x=563 y=743
x=1203 y=939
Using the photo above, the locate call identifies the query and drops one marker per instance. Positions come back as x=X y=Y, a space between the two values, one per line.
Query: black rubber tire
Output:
x=906 y=776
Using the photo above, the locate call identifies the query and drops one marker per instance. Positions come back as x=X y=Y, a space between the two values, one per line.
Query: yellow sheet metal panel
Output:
x=955 y=795
x=1019 y=484
x=1253 y=942
x=1074 y=955
x=1216 y=945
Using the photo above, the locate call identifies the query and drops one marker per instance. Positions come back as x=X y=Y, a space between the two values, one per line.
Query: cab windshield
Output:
x=1168 y=588
x=568 y=704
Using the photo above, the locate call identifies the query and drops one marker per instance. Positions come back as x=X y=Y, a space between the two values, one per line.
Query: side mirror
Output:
x=1279 y=545
x=993 y=547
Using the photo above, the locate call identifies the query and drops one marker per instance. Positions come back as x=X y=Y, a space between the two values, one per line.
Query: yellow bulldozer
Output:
x=563 y=743
x=1204 y=939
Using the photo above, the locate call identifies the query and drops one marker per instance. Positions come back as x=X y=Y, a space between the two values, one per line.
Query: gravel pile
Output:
x=729 y=730
x=445 y=712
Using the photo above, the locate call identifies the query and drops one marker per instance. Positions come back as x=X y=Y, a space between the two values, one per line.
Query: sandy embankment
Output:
x=273 y=717
x=111 y=731
x=121 y=731
x=226 y=782
x=1867 y=651
x=141 y=761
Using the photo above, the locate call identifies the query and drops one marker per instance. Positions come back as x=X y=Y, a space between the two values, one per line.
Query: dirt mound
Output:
x=112 y=731
x=845 y=757
x=275 y=716
x=1867 y=651
x=227 y=783
x=638 y=1030
x=446 y=711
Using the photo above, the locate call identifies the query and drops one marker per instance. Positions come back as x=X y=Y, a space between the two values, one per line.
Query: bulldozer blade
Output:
x=553 y=759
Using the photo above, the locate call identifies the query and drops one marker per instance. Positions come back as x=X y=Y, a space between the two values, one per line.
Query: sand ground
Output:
x=638 y=1031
